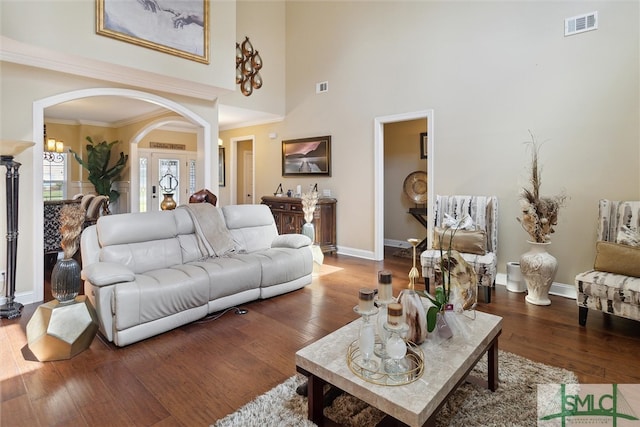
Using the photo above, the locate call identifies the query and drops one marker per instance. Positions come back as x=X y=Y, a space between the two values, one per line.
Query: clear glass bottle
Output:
x=366 y=342
x=385 y=297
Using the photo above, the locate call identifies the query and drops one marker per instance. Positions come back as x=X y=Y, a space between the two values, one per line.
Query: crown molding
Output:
x=34 y=56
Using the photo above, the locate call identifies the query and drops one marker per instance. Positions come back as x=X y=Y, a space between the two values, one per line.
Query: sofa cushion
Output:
x=144 y=256
x=140 y=241
x=158 y=294
x=231 y=274
x=138 y=227
x=252 y=226
x=616 y=258
x=282 y=265
x=107 y=273
x=466 y=241
x=293 y=241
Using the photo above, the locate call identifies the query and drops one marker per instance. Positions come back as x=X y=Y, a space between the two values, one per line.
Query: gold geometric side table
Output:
x=60 y=331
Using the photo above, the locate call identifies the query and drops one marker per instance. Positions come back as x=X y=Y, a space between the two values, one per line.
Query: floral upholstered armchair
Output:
x=613 y=285
x=479 y=247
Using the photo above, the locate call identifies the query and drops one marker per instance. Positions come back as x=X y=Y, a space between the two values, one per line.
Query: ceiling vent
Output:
x=581 y=23
x=322 y=87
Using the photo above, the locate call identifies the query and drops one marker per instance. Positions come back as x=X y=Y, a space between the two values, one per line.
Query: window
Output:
x=192 y=176
x=143 y=184
x=54 y=176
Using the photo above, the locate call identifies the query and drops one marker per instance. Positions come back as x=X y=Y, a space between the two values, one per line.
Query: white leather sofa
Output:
x=146 y=273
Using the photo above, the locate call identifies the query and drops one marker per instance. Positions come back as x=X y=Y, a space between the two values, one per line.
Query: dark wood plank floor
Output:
x=200 y=372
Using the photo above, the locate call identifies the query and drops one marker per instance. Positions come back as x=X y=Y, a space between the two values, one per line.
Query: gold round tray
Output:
x=415 y=186
x=413 y=361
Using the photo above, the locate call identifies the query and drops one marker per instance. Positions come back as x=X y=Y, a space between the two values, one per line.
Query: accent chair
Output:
x=480 y=253
x=613 y=285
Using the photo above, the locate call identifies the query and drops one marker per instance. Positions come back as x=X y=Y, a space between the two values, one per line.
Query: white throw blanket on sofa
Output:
x=211 y=230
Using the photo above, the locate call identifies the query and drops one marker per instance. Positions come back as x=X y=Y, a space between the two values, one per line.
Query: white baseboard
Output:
x=358 y=253
x=397 y=243
x=559 y=289
x=25 y=298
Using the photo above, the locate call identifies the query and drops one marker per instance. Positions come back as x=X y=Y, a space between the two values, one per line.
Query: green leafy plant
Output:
x=101 y=175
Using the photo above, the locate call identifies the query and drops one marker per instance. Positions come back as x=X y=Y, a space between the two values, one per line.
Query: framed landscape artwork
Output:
x=307 y=156
x=176 y=27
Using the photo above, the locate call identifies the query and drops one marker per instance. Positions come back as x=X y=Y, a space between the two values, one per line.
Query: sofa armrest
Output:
x=107 y=273
x=293 y=241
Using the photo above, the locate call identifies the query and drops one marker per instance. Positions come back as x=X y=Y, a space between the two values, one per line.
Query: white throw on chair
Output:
x=478 y=248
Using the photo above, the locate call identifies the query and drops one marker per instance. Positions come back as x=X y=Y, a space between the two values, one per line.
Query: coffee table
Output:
x=446 y=365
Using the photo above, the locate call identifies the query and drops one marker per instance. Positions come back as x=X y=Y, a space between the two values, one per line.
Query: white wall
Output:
x=264 y=23
x=491 y=71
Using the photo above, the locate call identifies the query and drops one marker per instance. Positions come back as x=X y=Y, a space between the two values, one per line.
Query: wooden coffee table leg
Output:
x=492 y=368
x=315 y=399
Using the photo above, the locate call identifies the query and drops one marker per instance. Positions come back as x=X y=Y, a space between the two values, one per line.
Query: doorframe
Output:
x=134 y=156
x=378 y=215
x=233 y=167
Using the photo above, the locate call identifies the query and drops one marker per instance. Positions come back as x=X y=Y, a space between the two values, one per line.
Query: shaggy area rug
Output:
x=513 y=404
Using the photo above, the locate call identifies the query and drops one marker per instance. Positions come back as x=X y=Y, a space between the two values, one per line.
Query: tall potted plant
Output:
x=538 y=217
x=101 y=175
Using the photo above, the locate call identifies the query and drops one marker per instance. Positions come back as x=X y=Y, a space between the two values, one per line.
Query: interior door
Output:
x=248 y=178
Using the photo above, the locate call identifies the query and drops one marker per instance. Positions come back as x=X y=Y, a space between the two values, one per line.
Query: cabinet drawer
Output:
x=277 y=206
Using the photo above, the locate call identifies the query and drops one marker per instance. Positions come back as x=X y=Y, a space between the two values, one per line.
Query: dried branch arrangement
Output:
x=309 y=201
x=539 y=214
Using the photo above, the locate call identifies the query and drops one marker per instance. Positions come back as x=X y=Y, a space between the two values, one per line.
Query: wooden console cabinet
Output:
x=287 y=212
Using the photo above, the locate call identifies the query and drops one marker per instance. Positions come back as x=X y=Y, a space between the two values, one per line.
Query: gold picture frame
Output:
x=307 y=156
x=176 y=27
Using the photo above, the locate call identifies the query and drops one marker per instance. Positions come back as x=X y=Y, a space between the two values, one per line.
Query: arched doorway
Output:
x=203 y=143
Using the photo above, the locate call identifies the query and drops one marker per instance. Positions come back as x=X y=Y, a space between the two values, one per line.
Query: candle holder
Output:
x=396 y=349
x=366 y=341
x=381 y=344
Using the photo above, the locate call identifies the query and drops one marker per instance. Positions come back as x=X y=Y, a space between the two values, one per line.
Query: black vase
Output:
x=65 y=280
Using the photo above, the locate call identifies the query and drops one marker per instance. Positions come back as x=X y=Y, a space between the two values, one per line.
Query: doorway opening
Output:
x=242 y=170
x=379 y=175
x=165 y=172
x=39 y=107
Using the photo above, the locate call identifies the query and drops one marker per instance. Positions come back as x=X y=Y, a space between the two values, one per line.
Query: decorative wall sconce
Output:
x=248 y=65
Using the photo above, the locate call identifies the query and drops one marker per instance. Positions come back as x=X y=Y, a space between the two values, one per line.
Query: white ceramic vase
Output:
x=538 y=268
x=309 y=230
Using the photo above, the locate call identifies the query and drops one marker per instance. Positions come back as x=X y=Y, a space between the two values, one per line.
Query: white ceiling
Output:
x=118 y=111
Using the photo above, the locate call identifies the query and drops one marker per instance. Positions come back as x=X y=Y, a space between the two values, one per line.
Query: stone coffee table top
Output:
x=446 y=364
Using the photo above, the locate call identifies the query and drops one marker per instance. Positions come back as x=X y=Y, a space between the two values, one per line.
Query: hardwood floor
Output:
x=200 y=372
